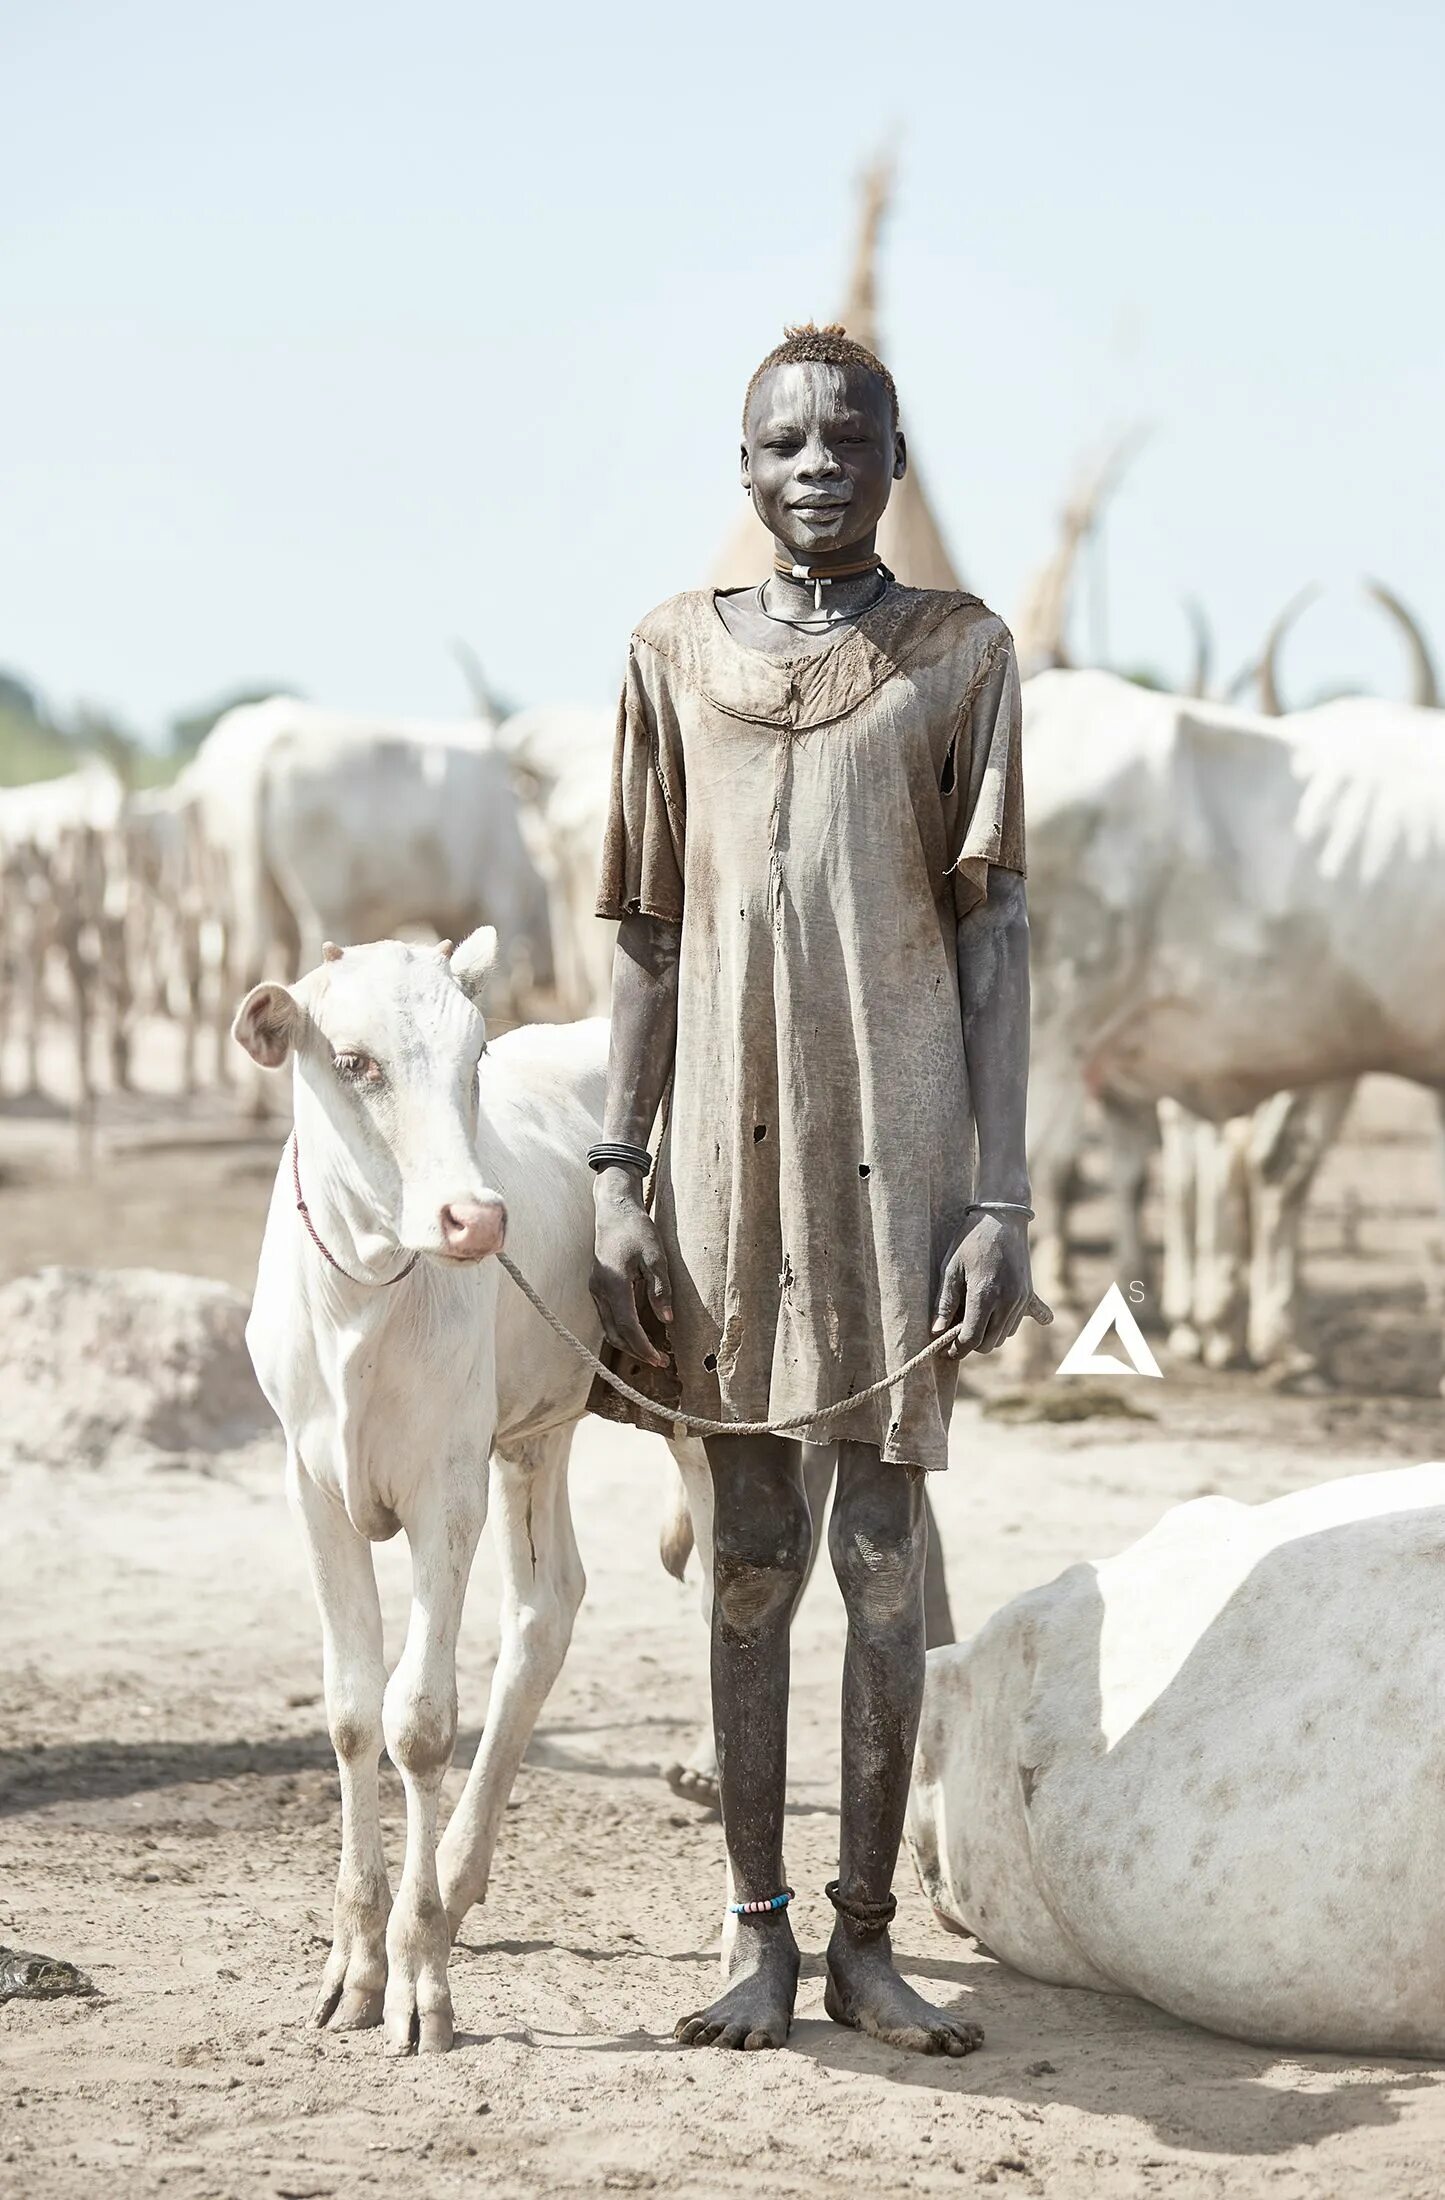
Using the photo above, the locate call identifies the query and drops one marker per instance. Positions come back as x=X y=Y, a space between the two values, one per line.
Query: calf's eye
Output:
x=358 y=1069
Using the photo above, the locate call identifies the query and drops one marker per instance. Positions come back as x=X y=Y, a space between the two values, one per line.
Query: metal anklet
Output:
x=1000 y=1207
x=769 y=1902
x=616 y=1153
x=865 y=1917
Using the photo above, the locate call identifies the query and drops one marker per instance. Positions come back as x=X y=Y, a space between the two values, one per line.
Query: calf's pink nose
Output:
x=472 y=1228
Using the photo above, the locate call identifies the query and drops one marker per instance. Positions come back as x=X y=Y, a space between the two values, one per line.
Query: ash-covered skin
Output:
x=821 y=451
x=695 y=1778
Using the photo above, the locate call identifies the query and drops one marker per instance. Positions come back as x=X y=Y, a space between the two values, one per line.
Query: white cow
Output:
x=560 y=757
x=352 y=827
x=41 y=812
x=1225 y=907
x=1211 y=1771
x=398 y=1360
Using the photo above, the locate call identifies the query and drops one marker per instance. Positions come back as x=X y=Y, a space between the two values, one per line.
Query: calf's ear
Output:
x=471 y=963
x=267 y=1023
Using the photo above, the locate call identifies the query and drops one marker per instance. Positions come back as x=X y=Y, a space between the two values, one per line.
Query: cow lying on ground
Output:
x=1211 y=1771
x=398 y=1358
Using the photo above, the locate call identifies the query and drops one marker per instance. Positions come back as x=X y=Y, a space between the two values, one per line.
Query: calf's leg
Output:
x=354 y=1980
x=542 y=1586
x=419 y=1717
x=694 y=1779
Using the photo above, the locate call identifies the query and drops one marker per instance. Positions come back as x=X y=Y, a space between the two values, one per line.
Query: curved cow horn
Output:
x=1267 y=670
x=1203 y=646
x=1040 y=633
x=484 y=702
x=1424 y=684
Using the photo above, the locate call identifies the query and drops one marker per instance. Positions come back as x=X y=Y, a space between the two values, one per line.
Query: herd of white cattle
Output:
x=290 y=823
x=1234 y=917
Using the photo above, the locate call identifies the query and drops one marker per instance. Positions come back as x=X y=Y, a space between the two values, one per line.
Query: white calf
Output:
x=398 y=1359
x=1210 y=1771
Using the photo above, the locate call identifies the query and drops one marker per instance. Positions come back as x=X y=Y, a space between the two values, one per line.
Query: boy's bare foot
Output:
x=756 y=2009
x=866 y=1993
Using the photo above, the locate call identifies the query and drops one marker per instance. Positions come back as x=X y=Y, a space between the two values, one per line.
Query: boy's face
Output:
x=820 y=454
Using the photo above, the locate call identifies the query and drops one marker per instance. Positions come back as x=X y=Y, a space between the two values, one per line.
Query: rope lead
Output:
x=694 y=1423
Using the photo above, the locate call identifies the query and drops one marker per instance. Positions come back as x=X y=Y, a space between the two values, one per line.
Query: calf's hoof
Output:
x=694 y=1784
x=352 y=1985
x=354 y=2009
x=417 y=2015
x=695 y=1779
x=419 y=2021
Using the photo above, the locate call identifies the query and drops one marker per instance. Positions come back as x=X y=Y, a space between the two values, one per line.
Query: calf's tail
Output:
x=675 y=1543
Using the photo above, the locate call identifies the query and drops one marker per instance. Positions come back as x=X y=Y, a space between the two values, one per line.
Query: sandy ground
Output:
x=169 y=1803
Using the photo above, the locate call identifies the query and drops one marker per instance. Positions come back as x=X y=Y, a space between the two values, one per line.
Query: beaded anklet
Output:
x=867 y=1918
x=770 y=1902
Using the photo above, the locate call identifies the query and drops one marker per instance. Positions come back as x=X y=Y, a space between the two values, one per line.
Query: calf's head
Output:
x=386 y=1040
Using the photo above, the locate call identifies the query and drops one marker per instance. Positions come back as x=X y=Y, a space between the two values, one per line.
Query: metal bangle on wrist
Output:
x=1001 y=1207
x=618 y=1153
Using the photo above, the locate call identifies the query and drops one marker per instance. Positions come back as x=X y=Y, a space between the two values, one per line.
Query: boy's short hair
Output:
x=830 y=346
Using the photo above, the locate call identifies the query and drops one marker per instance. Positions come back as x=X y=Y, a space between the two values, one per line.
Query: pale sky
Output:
x=333 y=331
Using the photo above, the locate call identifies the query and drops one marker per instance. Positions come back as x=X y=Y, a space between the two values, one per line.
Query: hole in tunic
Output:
x=760 y=1132
x=863 y=1169
x=945 y=784
x=710 y=1363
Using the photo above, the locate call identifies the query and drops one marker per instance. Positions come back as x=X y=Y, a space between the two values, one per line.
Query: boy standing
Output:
x=815 y=853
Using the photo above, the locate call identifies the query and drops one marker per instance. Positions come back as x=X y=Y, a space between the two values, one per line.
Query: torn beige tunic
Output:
x=817 y=826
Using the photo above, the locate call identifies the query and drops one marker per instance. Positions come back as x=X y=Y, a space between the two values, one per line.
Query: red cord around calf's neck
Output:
x=376 y=1283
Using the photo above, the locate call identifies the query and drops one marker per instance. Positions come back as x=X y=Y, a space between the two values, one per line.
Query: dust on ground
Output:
x=169 y=1802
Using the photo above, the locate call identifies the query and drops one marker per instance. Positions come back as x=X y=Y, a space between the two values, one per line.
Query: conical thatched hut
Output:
x=908 y=538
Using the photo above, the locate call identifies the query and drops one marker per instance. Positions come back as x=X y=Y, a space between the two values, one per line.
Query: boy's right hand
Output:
x=628 y=1257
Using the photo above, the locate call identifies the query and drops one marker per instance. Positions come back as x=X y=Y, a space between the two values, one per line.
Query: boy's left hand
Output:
x=986 y=1285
